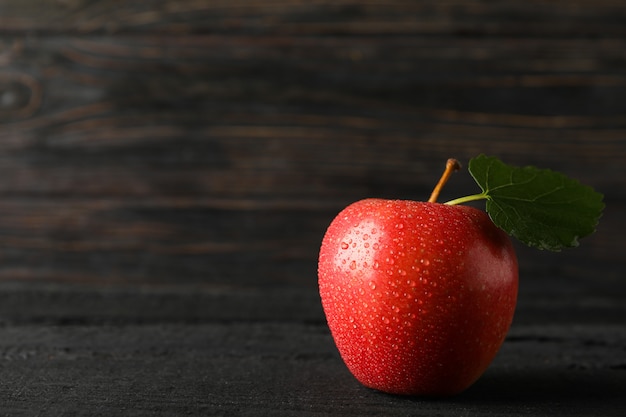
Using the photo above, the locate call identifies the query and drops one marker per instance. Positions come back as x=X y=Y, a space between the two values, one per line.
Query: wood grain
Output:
x=200 y=144
x=286 y=369
x=298 y=17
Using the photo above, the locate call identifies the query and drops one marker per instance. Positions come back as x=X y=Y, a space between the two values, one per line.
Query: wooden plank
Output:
x=286 y=369
x=198 y=246
x=454 y=80
x=295 y=17
x=555 y=300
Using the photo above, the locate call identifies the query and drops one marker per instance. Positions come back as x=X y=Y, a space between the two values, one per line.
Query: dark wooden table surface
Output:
x=168 y=169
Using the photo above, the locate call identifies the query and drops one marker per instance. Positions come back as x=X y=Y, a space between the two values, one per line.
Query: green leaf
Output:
x=540 y=207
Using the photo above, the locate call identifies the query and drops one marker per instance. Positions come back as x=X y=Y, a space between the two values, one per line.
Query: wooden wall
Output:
x=206 y=145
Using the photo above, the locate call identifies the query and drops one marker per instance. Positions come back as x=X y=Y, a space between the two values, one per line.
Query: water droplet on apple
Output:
x=411 y=283
x=365 y=265
x=366 y=236
x=402 y=272
x=394 y=346
x=344 y=245
x=374 y=231
x=425 y=262
x=390 y=261
x=400 y=226
x=375 y=246
x=366 y=244
x=353 y=265
x=376 y=265
x=395 y=308
x=372 y=285
x=385 y=320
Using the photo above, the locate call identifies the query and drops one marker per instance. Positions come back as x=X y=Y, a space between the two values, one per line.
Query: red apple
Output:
x=418 y=296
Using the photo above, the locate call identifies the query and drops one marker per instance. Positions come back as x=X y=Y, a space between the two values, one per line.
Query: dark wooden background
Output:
x=168 y=169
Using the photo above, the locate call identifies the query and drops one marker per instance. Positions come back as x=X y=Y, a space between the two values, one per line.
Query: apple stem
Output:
x=451 y=166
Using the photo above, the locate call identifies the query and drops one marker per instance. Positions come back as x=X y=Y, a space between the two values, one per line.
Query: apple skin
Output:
x=418 y=296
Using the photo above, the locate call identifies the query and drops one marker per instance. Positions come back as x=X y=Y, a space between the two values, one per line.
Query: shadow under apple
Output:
x=598 y=392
